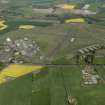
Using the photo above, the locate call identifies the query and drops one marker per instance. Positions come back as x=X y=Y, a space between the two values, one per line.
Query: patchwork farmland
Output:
x=52 y=52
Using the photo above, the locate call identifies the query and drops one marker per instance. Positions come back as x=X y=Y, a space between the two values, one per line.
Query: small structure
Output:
x=72 y=100
x=16 y=51
x=89 y=74
x=86 y=6
x=72 y=39
x=90 y=77
x=88 y=53
x=83 y=12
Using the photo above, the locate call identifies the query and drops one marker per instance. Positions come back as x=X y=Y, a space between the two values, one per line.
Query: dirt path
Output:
x=60 y=43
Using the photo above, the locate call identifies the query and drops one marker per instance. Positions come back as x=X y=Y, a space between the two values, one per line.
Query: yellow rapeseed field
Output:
x=2 y=25
x=68 y=6
x=27 y=27
x=76 y=20
x=16 y=70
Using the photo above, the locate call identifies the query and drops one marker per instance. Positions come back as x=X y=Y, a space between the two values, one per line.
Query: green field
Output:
x=48 y=87
x=17 y=92
x=55 y=44
x=53 y=84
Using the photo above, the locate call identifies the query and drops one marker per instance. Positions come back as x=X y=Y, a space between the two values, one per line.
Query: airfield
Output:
x=38 y=50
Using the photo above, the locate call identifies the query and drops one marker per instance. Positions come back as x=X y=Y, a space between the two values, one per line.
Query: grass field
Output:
x=2 y=25
x=76 y=20
x=68 y=7
x=17 y=92
x=41 y=97
x=56 y=43
x=52 y=85
x=48 y=87
x=71 y=79
x=15 y=71
x=27 y=27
